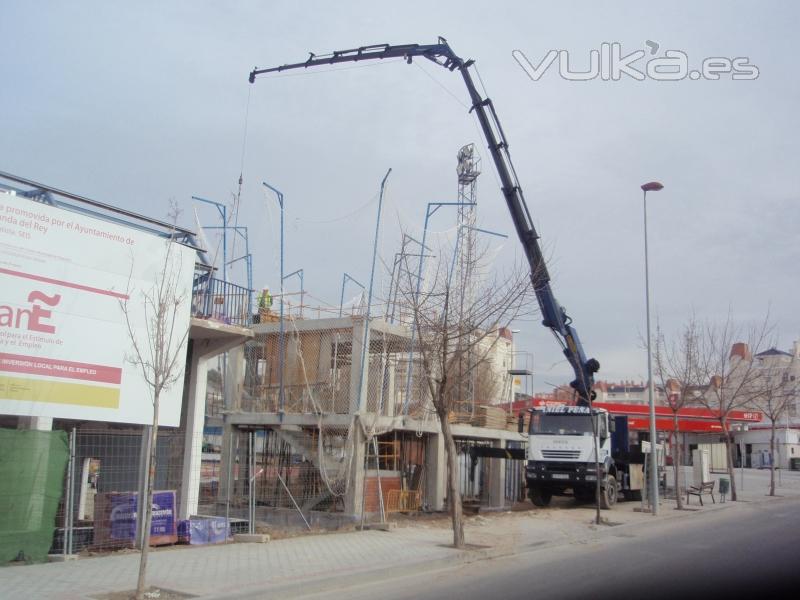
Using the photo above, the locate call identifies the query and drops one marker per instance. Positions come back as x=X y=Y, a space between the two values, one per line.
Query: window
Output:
x=560 y=424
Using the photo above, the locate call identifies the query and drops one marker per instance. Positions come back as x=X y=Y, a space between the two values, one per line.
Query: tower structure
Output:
x=468 y=169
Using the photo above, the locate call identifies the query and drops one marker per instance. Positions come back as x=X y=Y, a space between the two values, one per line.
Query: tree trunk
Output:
x=147 y=503
x=729 y=454
x=772 y=459
x=676 y=460
x=453 y=489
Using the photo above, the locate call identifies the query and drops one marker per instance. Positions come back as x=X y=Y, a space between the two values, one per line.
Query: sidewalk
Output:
x=286 y=567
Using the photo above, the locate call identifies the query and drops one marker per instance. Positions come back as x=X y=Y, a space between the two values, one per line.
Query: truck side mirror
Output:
x=612 y=425
x=521 y=423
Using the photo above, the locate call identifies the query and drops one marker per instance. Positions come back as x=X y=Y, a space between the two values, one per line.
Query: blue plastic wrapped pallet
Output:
x=199 y=531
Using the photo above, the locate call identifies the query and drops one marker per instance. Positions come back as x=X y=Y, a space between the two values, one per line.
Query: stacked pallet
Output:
x=512 y=422
x=492 y=417
x=459 y=418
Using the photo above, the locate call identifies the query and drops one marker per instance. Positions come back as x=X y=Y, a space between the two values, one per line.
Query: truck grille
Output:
x=562 y=454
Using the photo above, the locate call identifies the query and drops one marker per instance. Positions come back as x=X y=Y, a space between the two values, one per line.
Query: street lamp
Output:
x=281 y=345
x=653 y=186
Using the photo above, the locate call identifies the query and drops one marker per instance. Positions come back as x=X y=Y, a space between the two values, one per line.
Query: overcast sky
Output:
x=135 y=103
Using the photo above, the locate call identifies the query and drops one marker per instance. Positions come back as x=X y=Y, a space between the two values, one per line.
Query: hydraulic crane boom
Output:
x=554 y=315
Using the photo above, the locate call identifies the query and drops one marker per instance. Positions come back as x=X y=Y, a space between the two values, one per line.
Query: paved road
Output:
x=747 y=551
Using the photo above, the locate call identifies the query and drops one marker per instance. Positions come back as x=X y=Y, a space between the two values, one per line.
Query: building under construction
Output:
x=333 y=420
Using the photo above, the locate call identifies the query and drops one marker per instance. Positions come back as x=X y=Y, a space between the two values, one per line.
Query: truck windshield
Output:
x=543 y=424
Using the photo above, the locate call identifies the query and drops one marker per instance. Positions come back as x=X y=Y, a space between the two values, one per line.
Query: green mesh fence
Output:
x=32 y=466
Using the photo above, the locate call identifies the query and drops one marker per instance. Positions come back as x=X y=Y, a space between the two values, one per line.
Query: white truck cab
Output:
x=561 y=454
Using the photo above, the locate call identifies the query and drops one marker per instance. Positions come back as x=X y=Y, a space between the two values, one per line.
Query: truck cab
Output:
x=564 y=454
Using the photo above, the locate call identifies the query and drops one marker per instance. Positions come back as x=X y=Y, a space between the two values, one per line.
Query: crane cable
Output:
x=238 y=196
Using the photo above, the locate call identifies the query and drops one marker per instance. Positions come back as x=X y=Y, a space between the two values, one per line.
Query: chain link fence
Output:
x=89 y=502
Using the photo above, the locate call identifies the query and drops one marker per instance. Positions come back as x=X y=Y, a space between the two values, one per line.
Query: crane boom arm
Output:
x=554 y=315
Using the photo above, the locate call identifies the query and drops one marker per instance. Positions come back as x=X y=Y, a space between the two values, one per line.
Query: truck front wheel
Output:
x=608 y=494
x=540 y=496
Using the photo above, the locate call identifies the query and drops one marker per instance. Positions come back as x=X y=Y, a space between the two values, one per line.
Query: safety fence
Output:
x=32 y=466
x=287 y=478
x=88 y=499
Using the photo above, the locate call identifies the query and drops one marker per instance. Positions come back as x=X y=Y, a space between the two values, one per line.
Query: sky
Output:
x=135 y=104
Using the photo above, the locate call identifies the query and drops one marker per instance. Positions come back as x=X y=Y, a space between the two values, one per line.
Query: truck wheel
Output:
x=608 y=494
x=539 y=496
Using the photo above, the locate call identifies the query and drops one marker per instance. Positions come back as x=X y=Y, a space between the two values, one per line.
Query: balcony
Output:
x=217 y=300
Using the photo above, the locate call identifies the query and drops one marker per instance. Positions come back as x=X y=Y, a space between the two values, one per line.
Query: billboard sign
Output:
x=65 y=347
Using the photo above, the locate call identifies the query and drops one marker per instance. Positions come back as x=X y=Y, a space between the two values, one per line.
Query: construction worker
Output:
x=265 y=300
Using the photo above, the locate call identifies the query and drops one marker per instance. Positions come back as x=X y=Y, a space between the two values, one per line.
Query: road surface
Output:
x=745 y=551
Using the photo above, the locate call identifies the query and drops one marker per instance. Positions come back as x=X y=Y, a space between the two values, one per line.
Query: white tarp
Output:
x=64 y=343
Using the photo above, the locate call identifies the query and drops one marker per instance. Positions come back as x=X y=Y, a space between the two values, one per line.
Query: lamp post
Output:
x=653 y=186
x=281 y=345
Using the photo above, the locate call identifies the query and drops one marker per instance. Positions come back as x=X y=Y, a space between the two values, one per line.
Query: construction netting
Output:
x=32 y=466
x=322 y=371
x=322 y=375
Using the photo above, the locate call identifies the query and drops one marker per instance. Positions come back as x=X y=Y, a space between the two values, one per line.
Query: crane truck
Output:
x=554 y=315
x=565 y=454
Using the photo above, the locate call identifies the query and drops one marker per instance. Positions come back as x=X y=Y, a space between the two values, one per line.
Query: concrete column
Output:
x=497 y=478
x=227 y=457
x=355 y=487
x=234 y=378
x=435 y=472
x=194 y=415
x=389 y=408
x=193 y=420
x=358 y=402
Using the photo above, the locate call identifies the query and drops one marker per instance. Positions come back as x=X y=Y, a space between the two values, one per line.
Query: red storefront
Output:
x=690 y=420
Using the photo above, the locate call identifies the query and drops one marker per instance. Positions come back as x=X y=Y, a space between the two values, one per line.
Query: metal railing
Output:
x=222 y=301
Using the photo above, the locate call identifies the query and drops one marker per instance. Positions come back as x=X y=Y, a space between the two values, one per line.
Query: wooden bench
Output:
x=705 y=488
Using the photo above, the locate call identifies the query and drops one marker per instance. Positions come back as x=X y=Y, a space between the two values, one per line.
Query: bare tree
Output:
x=159 y=355
x=777 y=391
x=457 y=334
x=677 y=366
x=732 y=378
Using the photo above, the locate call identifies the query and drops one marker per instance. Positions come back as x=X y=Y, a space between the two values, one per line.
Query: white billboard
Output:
x=65 y=348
